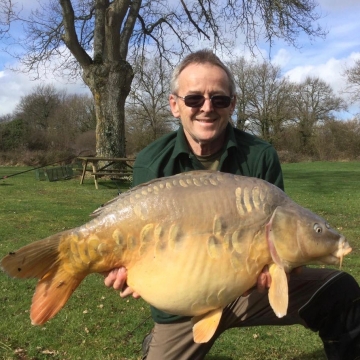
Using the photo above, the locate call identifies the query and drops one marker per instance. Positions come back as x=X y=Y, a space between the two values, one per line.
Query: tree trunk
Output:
x=110 y=85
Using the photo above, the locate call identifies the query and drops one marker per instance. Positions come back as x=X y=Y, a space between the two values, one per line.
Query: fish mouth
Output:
x=343 y=249
x=337 y=256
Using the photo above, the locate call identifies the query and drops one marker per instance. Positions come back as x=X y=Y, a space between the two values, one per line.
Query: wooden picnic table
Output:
x=96 y=171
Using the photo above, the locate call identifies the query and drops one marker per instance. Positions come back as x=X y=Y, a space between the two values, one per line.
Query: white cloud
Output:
x=281 y=58
x=330 y=71
x=14 y=85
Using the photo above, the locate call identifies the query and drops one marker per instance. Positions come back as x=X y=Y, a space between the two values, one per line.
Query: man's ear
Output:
x=174 y=106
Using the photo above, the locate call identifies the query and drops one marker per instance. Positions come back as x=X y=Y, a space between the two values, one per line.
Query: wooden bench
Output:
x=111 y=173
x=97 y=170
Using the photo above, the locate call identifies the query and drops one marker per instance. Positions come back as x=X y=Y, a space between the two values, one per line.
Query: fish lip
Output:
x=343 y=249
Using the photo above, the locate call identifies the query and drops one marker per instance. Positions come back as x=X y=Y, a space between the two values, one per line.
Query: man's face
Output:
x=203 y=125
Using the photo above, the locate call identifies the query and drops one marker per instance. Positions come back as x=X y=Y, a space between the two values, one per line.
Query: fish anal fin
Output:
x=204 y=326
x=51 y=294
x=278 y=292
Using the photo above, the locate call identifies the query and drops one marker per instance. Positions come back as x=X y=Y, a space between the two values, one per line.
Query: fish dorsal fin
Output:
x=278 y=292
x=204 y=326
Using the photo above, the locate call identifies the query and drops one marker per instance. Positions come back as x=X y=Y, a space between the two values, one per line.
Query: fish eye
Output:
x=317 y=228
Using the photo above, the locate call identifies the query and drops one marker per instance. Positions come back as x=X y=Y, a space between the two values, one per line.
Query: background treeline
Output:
x=299 y=119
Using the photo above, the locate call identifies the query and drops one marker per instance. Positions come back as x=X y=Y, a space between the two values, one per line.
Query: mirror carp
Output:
x=191 y=243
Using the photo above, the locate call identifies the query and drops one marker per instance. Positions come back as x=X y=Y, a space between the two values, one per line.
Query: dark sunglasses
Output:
x=195 y=101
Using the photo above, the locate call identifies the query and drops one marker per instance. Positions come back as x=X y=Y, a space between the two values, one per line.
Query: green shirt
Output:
x=242 y=154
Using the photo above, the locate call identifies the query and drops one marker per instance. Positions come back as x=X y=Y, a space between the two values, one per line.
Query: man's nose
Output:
x=207 y=106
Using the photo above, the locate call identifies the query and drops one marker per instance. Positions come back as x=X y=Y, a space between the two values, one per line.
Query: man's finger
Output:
x=110 y=277
x=120 y=279
x=128 y=291
x=261 y=282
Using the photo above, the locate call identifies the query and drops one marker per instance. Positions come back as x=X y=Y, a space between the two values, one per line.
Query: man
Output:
x=203 y=98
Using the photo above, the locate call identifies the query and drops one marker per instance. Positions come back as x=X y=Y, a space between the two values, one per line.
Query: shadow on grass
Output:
x=218 y=358
x=316 y=355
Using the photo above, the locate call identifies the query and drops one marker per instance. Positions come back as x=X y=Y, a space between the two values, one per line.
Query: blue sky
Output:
x=324 y=58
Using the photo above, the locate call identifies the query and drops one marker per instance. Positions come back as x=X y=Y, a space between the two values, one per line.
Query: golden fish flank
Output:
x=215 y=247
x=219 y=226
x=173 y=235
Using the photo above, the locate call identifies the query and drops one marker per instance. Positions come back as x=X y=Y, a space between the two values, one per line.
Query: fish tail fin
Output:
x=42 y=260
x=51 y=294
x=33 y=260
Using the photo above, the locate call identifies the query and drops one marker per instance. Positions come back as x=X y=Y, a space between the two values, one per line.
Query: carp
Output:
x=191 y=243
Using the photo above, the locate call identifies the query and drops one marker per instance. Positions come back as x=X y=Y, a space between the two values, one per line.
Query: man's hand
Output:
x=117 y=279
x=264 y=279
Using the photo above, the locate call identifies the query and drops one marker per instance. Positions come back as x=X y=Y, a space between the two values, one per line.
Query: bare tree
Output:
x=338 y=140
x=6 y=118
x=148 y=101
x=240 y=69
x=80 y=111
x=263 y=97
x=39 y=106
x=268 y=105
x=55 y=119
x=116 y=32
x=352 y=76
x=313 y=102
x=7 y=15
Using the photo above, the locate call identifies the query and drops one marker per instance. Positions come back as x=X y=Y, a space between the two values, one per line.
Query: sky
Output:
x=326 y=58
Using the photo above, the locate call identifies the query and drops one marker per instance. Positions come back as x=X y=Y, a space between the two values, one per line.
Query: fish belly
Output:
x=192 y=282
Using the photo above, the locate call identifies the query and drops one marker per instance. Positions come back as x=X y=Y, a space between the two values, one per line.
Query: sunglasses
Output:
x=196 y=101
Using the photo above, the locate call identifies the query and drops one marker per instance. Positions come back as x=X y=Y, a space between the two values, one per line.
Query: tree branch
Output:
x=99 y=29
x=70 y=37
x=129 y=28
x=115 y=15
x=192 y=20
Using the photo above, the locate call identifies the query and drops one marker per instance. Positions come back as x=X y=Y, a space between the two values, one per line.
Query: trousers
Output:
x=174 y=341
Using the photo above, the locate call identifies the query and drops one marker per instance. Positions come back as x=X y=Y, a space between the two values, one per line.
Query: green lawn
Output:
x=96 y=323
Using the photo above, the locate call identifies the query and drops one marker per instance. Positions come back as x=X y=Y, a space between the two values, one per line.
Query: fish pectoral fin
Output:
x=278 y=292
x=204 y=326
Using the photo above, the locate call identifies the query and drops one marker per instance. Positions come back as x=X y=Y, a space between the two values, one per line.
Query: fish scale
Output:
x=191 y=243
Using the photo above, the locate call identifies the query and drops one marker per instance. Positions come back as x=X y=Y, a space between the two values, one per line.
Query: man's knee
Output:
x=332 y=298
x=334 y=311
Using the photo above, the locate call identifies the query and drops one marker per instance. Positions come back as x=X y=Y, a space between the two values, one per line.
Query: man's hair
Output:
x=200 y=57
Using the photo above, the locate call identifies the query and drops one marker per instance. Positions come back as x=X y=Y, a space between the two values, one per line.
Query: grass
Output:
x=96 y=323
